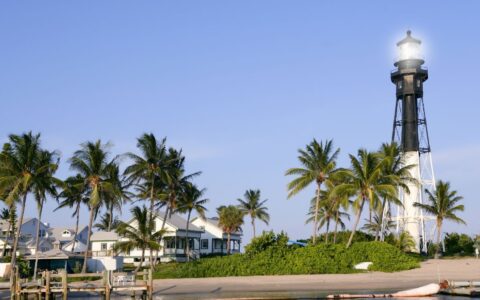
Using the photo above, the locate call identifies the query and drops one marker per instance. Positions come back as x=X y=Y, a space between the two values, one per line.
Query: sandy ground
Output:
x=307 y=286
x=314 y=286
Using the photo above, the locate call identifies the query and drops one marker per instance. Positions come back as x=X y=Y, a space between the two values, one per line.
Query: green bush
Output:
x=385 y=257
x=459 y=244
x=270 y=255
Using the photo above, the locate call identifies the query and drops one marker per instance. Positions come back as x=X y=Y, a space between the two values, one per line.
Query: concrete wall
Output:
x=100 y=264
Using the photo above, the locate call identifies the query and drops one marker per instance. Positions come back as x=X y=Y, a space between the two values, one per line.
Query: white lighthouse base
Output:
x=412 y=217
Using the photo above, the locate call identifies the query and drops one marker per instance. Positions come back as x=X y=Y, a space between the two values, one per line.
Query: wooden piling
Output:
x=106 y=282
x=47 y=285
x=64 y=286
x=150 y=284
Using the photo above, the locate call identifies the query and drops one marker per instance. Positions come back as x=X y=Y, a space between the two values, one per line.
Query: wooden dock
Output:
x=51 y=285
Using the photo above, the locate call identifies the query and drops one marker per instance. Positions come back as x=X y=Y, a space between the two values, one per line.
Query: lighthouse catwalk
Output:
x=411 y=134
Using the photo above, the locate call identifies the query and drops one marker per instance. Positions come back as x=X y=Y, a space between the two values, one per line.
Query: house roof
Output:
x=4 y=224
x=214 y=221
x=53 y=254
x=178 y=222
x=57 y=233
x=104 y=236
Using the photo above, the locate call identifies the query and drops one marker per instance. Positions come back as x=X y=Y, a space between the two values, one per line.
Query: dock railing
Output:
x=104 y=283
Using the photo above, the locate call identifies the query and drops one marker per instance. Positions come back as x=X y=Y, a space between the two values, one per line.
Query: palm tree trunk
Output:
x=37 y=239
x=228 y=243
x=326 y=232
x=141 y=261
x=187 y=246
x=85 y=258
x=357 y=220
x=76 y=227
x=379 y=230
x=315 y=222
x=336 y=227
x=439 y=238
x=15 y=245
x=110 y=219
x=253 y=225
x=162 y=228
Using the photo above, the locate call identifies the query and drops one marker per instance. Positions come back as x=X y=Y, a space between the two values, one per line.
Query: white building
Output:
x=50 y=238
x=214 y=239
x=172 y=245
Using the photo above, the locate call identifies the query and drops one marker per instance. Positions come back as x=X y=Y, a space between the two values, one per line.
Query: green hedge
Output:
x=280 y=259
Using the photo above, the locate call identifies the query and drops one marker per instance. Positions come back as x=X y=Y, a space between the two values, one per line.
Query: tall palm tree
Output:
x=318 y=162
x=91 y=162
x=254 y=207
x=192 y=199
x=443 y=205
x=142 y=236
x=46 y=186
x=230 y=219
x=365 y=181
x=21 y=170
x=119 y=196
x=175 y=182
x=148 y=170
x=399 y=174
x=74 y=194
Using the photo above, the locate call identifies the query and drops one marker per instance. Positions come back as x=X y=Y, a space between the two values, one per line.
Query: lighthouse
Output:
x=410 y=132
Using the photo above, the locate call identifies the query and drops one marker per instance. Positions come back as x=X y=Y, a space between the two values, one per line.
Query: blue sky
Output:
x=240 y=86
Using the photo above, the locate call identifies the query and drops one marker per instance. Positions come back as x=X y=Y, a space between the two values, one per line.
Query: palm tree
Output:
x=192 y=199
x=365 y=181
x=118 y=197
x=107 y=223
x=443 y=204
x=21 y=170
x=405 y=242
x=254 y=207
x=149 y=168
x=175 y=182
x=377 y=226
x=73 y=193
x=230 y=219
x=91 y=162
x=318 y=162
x=328 y=212
x=399 y=174
x=46 y=186
x=142 y=236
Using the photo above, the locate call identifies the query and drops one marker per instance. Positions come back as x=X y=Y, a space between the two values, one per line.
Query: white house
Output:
x=172 y=245
x=214 y=239
x=50 y=238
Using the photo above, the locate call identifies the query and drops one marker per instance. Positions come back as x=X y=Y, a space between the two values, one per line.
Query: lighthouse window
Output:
x=418 y=83
x=399 y=84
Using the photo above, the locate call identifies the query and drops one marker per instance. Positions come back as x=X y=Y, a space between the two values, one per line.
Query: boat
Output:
x=423 y=291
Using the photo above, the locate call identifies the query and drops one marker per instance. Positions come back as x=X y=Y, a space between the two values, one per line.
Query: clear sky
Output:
x=239 y=85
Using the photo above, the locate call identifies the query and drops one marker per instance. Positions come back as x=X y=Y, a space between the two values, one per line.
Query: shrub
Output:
x=385 y=257
x=270 y=255
x=459 y=244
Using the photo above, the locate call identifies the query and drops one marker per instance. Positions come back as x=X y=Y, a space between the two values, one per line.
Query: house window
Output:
x=103 y=246
x=217 y=244
x=66 y=233
x=205 y=244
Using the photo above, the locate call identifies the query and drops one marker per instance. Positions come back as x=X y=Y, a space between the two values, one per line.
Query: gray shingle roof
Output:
x=178 y=222
x=57 y=233
x=104 y=236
